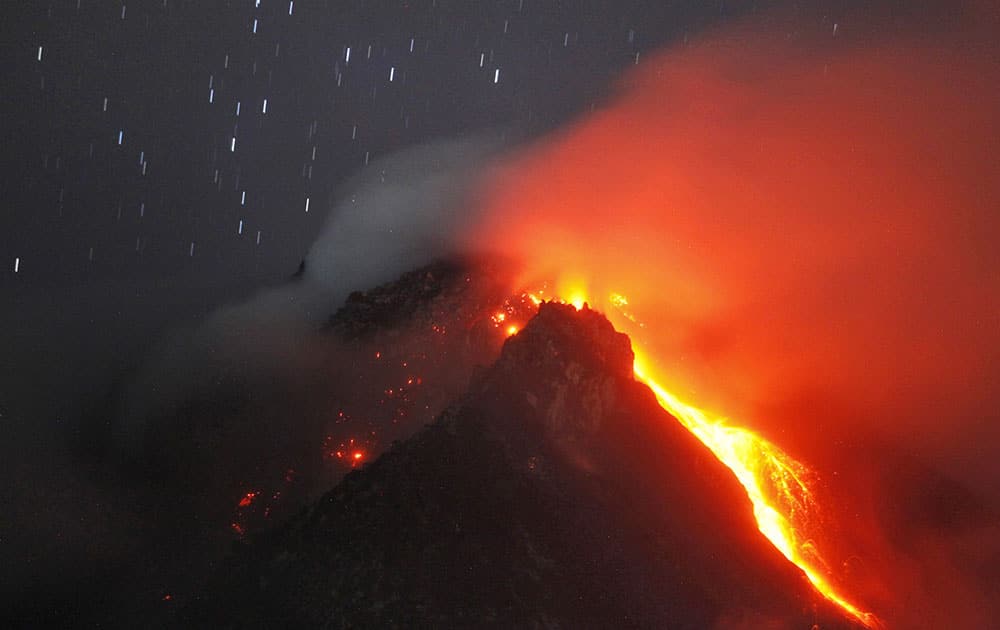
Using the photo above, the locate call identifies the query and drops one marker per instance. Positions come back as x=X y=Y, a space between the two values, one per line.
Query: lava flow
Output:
x=776 y=483
x=778 y=486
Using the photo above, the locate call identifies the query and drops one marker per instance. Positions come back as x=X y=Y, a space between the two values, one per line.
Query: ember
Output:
x=350 y=452
x=247 y=499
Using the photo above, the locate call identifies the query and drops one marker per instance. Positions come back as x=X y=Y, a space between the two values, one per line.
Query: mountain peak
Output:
x=554 y=493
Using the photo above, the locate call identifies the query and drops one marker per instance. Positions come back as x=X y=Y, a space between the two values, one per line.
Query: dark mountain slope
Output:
x=556 y=493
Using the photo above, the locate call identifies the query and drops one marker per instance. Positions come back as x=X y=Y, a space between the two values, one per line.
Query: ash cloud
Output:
x=807 y=224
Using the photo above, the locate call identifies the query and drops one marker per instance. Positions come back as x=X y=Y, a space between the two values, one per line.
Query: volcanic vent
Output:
x=556 y=492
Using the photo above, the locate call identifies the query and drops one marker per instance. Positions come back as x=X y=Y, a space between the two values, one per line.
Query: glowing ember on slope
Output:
x=351 y=452
x=255 y=506
x=779 y=487
x=247 y=499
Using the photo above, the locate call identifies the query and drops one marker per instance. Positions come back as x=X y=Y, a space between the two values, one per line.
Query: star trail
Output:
x=150 y=126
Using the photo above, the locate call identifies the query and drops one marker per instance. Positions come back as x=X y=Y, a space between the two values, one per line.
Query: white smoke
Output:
x=401 y=212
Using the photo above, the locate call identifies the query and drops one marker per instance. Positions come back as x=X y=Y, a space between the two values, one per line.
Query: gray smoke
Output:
x=401 y=212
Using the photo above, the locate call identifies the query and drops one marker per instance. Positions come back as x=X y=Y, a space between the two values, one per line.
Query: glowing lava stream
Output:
x=759 y=466
x=753 y=460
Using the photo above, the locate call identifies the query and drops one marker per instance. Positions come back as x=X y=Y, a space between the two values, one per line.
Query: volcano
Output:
x=555 y=492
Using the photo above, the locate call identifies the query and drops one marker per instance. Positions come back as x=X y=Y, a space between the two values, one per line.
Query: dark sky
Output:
x=121 y=118
x=144 y=181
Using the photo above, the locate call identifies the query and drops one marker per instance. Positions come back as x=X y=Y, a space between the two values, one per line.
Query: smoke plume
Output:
x=400 y=214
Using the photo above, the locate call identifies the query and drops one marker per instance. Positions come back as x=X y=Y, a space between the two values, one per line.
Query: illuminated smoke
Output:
x=809 y=232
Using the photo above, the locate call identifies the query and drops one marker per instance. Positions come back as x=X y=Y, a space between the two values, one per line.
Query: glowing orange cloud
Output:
x=807 y=238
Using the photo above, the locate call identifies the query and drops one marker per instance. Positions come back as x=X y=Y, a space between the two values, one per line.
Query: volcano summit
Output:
x=555 y=492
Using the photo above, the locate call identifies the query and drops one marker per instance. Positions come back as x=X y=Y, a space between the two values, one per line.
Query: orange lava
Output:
x=777 y=484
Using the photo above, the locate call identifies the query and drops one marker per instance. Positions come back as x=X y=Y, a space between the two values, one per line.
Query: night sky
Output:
x=162 y=158
x=167 y=138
